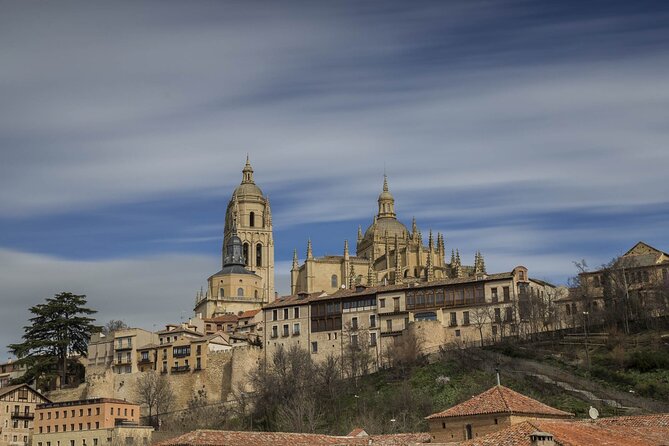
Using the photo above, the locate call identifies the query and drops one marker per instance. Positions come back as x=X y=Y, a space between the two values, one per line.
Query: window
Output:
x=275 y=315
x=498 y=315
x=221 y=292
x=457 y=333
x=469 y=431
x=258 y=254
x=296 y=312
x=252 y=219
x=95 y=440
x=507 y=296
x=465 y=318
x=198 y=364
x=493 y=295
x=334 y=281
x=454 y=320
x=354 y=323
x=389 y=325
x=285 y=330
x=245 y=252
x=285 y=313
x=568 y=309
x=521 y=275
x=508 y=317
x=396 y=304
x=97 y=426
x=382 y=303
x=494 y=331
x=372 y=339
x=372 y=321
x=354 y=340
x=275 y=331
x=314 y=347
x=240 y=292
x=296 y=329
x=181 y=351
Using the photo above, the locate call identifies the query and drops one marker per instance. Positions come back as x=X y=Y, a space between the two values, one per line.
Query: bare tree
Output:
x=356 y=358
x=405 y=352
x=479 y=318
x=154 y=390
x=113 y=325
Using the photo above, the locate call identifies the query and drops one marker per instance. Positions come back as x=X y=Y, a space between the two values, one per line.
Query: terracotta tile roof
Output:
x=249 y=314
x=238 y=438
x=500 y=399
x=298 y=299
x=646 y=430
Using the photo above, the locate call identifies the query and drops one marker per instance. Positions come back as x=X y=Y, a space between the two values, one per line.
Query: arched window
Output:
x=252 y=219
x=221 y=292
x=258 y=254
x=334 y=281
x=245 y=251
x=240 y=292
x=406 y=273
x=255 y=294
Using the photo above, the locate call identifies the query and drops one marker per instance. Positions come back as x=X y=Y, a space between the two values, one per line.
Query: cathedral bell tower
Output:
x=249 y=213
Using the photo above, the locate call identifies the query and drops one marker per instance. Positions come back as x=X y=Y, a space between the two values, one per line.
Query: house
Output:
x=493 y=410
x=17 y=413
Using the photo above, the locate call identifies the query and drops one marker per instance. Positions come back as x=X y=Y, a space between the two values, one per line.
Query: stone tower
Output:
x=249 y=211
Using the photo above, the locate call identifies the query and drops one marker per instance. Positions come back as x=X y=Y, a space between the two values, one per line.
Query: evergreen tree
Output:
x=60 y=327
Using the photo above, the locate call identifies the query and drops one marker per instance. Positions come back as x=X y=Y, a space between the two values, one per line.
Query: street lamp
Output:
x=585 y=326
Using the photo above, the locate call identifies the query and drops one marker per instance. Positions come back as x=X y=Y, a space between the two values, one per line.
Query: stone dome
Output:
x=246 y=189
x=389 y=224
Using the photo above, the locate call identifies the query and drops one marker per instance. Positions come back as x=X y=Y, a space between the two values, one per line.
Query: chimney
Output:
x=541 y=439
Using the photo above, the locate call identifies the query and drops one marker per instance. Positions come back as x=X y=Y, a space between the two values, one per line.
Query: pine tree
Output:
x=59 y=328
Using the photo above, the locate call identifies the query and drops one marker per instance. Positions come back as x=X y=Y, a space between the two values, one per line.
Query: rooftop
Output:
x=238 y=438
x=644 y=430
x=500 y=399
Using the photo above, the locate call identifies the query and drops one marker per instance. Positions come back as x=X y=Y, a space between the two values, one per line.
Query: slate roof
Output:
x=644 y=430
x=238 y=438
x=500 y=399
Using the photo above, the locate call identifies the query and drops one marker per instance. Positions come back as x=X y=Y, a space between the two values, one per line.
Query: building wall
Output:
x=78 y=416
x=17 y=412
x=117 y=436
x=454 y=429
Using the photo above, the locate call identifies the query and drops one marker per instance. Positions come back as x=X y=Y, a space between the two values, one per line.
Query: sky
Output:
x=536 y=132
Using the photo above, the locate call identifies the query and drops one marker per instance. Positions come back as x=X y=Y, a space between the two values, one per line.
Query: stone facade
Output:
x=387 y=253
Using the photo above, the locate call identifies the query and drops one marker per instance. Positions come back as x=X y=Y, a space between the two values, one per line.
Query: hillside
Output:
x=628 y=375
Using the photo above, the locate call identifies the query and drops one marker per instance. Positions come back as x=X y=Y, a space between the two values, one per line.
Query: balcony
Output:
x=180 y=369
x=181 y=354
x=23 y=415
x=123 y=361
x=145 y=361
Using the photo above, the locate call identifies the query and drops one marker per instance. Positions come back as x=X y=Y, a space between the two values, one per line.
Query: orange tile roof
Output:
x=645 y=430
x=249 y=313
x=500 y=399
x=240 y=438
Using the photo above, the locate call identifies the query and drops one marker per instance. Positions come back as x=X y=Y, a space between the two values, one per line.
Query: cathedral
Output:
x=387 y=253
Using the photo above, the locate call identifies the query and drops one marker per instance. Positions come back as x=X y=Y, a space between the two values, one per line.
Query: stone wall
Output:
x=225 y=371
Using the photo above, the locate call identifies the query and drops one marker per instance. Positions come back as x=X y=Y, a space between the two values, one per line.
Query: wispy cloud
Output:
x=535 y=131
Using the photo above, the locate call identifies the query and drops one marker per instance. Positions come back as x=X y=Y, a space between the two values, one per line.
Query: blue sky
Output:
x=533 y=131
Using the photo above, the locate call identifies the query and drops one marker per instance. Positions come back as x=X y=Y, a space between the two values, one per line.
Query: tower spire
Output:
x=247 y=172
x=310 y=253
x=295 y=261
